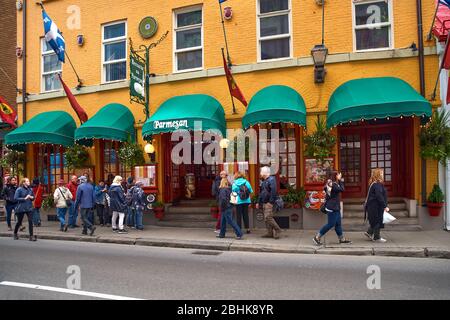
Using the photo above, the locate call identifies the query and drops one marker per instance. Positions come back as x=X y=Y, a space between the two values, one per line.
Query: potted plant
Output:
x=254 y=200
x=320 y=144
x=131 y=154
x=14 y=161
x=294 y=198
x=48 y=203
x=158 y=209
x=435 y=201
x=76 y=156
x=435 y=138
x=214 y=209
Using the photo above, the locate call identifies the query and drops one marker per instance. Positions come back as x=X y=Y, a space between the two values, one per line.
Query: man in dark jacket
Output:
x=266 y=201
x=8 y=193
x=85 y=199
x=24 y=196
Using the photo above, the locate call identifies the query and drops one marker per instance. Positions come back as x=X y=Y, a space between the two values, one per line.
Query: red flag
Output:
x=7 y=113
x=446 y=56
x=234 y=89
x=74 y=103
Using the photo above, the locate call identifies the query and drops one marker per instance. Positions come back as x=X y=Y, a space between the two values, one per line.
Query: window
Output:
x=114 y=57
x=372 y=25
x=188 y=42
x=274 y=29
x=111 y=163
x=50 y=67
x=50 y=166
x=288 y=164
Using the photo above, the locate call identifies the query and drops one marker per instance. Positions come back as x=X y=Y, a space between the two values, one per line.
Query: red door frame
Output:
x=402 y=155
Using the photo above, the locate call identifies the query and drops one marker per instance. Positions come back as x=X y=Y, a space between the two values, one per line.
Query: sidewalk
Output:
x=432 y=244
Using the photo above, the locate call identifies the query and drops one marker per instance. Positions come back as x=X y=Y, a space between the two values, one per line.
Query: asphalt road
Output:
x=167 y=273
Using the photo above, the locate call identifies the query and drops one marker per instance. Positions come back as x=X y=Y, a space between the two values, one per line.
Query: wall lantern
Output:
x=319 y=54
x=80 y=40
x=19 y=5
x=149 y=148
x=19 y=52
x=224 y=143
x=227 y=13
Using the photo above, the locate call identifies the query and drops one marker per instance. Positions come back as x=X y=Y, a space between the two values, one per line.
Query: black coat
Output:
x=376 y=203
x=117 y=202
x=8 y=193
x=224 y=198
x=333 y=201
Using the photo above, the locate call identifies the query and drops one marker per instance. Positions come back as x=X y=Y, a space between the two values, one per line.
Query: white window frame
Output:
x=280 y=36
x=112 y=41
x=194 y=26
x=44 y=54
x=390 y=24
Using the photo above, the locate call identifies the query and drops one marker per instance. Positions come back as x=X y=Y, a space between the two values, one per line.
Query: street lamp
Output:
x=319 y=54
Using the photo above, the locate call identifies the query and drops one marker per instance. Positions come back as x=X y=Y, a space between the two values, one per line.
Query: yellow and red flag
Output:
x=234 y=89
x=7 y=113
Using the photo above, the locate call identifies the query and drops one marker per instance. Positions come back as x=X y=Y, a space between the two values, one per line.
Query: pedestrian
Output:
x=376 y=204
x=85 y=200
x=215 y=193
x=24 y=196
x=333 y=189
x=7 y=194
x=227 y=210
x=100 y=201
x=138 y=204
x=38 y=191
x=63 y=201
x=243 y=189
x=130 y=213
x=73 y=213
x=266 y=202
x=118 y=204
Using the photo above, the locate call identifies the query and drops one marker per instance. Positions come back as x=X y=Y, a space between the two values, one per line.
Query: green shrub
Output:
x=436 y=195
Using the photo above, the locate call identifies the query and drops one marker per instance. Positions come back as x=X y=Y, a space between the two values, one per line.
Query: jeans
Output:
x=73 y=215
x=138 y=215
x=9 y=209
x=36 y=216
x=102 y=213
x=90 y=217
x=242 y=213
x=20 y=219
x=219 y=219
x=85 y=217
x=375 y=231
x=227 y=218
x=62 y=215
x=334 y=220
x=131 y=216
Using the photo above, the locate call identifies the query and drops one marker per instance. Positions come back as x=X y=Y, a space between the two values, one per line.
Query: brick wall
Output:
x=8 y=60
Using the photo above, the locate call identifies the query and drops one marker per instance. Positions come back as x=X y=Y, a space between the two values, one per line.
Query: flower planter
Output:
x=434 y=209
x=215 y=212
x=159 y=213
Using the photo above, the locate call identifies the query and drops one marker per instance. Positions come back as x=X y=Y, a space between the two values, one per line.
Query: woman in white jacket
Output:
x=60 y=196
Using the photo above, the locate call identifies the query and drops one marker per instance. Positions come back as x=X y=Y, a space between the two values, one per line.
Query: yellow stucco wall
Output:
x=242 y=38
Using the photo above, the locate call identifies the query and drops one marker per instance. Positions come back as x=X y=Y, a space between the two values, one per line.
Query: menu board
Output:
x=146 y=175
x=317 y=172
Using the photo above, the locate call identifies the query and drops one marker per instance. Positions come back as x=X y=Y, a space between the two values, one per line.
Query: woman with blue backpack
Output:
x=243 y=189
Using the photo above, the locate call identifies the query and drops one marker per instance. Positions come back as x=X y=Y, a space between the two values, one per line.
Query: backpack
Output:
x=129 y=197
x=244 y=193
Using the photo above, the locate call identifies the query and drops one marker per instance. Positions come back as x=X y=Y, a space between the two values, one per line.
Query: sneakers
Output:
x=84 y=232
x=115 y=230
x=123 y=231
x=33 y=238
x=380 y=240
x=10 y=229
x=368 y=235
x=276 y=234
x=16 y=236
x=217 y=231
x=316 y=241
x=219 y=236
x=344 y=240
x=92 y=231
x=65 y=227
x=248 y=231
x=240 y=238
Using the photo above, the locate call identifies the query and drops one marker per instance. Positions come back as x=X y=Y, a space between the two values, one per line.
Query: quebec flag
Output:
x=54 y=37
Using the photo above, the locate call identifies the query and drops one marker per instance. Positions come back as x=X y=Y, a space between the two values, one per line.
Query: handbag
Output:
x=68 y=201
x=387 y=217
x=322 y=207
x=233 y=198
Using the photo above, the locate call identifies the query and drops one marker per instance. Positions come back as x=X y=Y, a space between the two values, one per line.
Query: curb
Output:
x=410 y=252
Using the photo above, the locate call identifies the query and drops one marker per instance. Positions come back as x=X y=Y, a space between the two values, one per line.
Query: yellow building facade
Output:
x=269 y=43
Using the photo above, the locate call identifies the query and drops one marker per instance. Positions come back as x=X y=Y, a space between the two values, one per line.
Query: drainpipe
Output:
x=24 y=62
x=422 y=89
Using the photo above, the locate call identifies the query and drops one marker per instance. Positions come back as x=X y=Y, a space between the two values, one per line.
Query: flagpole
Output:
x=225 y=35
x=433 y=95
x=429 y=36
x=78 y=78
x=231 y=96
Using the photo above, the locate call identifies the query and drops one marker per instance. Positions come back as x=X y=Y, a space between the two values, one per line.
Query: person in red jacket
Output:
x=37 y=203
x=73 y=213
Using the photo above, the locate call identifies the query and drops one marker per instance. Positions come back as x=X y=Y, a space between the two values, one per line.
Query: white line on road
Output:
x=68 y=291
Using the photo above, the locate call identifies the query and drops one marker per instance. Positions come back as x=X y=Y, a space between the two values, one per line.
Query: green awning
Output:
x=375 y=98
x=275 y=104
x=53 y=127
x=112 y=122
x=182 y=111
